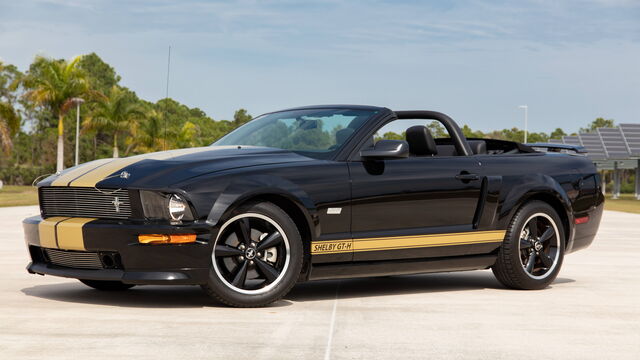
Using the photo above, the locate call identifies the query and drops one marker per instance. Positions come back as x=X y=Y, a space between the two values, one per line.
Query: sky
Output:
x=569 y=61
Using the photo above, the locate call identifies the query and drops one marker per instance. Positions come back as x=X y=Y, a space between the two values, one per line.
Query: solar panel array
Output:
x=572 y=140
x=631 y=133
x=614 y=144
x=593 y=143
x=620 y=143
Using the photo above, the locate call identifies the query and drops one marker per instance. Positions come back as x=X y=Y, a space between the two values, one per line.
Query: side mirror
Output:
x=385 y=149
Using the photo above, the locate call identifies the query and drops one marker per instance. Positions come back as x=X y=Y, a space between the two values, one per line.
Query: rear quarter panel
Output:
x=572 y=181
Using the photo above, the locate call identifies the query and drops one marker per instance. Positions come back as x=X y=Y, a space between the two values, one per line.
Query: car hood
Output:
x=165 y=168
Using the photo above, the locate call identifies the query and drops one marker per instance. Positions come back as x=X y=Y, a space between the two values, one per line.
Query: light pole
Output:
x=526 y=109
x=77 y=101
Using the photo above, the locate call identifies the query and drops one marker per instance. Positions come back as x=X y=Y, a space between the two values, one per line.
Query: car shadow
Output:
x=140 y=296
x=146 y=296
x=399 y=285
x=152 y=296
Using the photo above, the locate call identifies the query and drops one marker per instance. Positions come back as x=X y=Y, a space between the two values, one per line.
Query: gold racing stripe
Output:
x=91 y=178
x=69 y=233
x=80 y=170
x=406 y=242
x=418 y=241
x=47 y=231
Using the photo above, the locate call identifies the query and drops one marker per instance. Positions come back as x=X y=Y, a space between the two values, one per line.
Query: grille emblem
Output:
x=116 y=202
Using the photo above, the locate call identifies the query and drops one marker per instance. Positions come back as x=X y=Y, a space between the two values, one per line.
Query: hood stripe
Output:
x=47 y=231
x=67 y=177
x=99 y=173
x=69 y=233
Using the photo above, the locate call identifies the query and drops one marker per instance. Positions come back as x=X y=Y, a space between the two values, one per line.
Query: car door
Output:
x=412 y=207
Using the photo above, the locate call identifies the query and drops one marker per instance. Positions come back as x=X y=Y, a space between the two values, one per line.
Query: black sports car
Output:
x=315 y=193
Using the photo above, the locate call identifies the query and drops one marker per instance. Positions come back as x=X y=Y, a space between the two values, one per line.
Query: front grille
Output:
x=85 y=202
x=73 y=259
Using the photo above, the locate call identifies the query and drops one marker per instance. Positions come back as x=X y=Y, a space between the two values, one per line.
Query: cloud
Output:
x=487 y=56
x=79 y=4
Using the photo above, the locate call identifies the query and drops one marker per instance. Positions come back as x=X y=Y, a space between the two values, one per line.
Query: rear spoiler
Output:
x=548 y=147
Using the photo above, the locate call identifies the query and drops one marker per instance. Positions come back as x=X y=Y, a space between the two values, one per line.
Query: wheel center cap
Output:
x=250 y=253
x=537 y=245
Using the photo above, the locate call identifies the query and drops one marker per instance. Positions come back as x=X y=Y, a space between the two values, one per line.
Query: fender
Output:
x=523 y=188
x=242 y=189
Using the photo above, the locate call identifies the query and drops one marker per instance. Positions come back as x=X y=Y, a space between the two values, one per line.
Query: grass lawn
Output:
x=626 y=203
x=11 y=195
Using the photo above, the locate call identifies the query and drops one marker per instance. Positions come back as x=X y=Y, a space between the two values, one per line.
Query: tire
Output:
x=104 y=285
x=526 y=260
x=242 y=277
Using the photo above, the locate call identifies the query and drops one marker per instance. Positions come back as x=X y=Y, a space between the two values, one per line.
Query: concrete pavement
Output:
x=592 y=311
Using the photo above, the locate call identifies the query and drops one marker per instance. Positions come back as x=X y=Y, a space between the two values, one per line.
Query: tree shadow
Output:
x=153 y=296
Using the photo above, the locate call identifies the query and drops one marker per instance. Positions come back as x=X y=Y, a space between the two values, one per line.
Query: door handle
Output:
x=465 y=176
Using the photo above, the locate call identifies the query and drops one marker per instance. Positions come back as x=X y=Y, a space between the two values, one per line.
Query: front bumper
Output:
x=134 y=263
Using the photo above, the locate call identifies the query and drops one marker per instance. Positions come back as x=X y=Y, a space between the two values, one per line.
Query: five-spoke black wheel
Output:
x=251 y=254
x=539 y=245
x=256 y=257
x=533 y=249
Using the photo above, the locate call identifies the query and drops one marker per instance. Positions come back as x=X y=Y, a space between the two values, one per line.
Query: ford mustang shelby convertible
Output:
x=319 y=192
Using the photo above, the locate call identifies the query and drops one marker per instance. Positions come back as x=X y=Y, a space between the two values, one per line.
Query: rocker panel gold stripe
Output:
x=69 y=233
x=406 y=242
x=98 y=174
x=47 y=231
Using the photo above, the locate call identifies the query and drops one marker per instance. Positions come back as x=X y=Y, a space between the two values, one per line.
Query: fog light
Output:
x=166 y=239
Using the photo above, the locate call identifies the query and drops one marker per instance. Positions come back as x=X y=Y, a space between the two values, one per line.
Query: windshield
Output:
x=317 y=133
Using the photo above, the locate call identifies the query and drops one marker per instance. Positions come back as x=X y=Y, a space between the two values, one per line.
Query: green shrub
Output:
x=23 y=175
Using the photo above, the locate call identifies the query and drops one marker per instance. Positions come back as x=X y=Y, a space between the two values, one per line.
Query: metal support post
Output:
x=616 y=181
x=638 y=179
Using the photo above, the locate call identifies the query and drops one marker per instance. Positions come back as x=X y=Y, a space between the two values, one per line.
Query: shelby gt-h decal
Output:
x=316 y=193
x=405 y=242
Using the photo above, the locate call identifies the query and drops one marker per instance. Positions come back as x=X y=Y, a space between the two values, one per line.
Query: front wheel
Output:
x=533 y=249
x=256 y=258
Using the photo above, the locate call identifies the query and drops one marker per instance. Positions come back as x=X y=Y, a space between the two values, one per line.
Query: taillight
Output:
x=581 y=220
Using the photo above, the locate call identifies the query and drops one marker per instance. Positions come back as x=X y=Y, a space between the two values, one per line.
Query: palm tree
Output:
x=148 y=135
x=54 y=84
x=9 y=125
x=115 y=114
x=9 y=117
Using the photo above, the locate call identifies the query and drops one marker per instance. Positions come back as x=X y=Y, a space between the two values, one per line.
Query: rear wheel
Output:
x=107 y=285
x=256 y=258
x=533 y=249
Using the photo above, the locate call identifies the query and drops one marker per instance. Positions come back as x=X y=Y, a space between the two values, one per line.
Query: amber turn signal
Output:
x=166 y=239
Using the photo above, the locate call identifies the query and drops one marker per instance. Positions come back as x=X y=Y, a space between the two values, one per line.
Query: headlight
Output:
x=160 y=206
x=177 y=207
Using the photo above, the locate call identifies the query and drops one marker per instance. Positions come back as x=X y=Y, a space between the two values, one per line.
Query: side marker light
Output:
x=166 y=238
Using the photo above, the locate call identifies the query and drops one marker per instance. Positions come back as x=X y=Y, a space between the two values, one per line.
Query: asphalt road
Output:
x=592 y=311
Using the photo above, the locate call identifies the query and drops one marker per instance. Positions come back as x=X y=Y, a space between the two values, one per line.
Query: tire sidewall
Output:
x=512 y=241
x=235 y=298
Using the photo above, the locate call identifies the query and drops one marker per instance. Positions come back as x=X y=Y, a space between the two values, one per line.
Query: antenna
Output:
x=164 y=143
